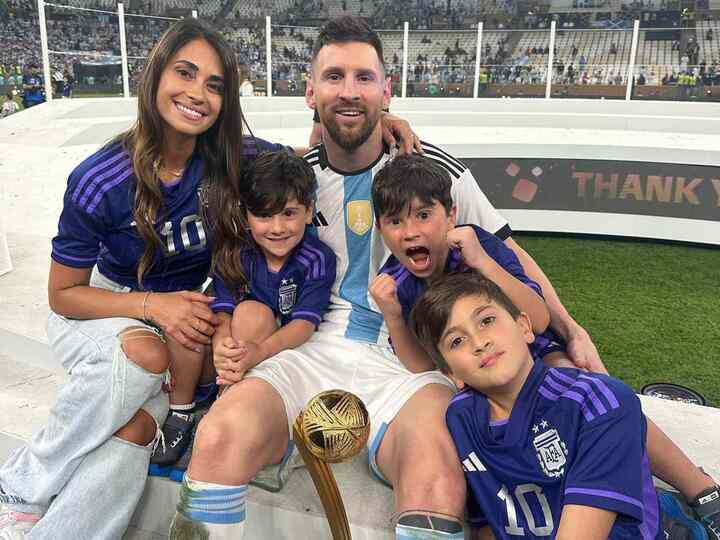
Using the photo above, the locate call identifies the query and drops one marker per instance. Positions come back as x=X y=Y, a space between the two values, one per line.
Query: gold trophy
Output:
x=333 y=427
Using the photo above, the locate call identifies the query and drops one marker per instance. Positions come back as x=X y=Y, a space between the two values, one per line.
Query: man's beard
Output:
x=351 y=139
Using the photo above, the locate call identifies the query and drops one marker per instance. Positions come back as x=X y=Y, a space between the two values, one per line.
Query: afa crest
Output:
x=288 y=294
x=358 y=216
x=550 y=451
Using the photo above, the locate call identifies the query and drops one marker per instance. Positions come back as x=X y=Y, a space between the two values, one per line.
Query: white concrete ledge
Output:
x=29 y=389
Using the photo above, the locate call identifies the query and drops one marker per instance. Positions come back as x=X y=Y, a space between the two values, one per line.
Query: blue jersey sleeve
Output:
x=225 y=300
x=607 y=469
x=254 y=146
x=314 y=296
x=80 y=231
x=505 y=257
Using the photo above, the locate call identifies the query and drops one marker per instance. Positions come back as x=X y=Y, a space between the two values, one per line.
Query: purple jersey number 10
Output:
x=168 y=233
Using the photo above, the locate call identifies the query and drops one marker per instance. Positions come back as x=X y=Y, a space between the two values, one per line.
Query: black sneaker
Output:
x=707 y=507
x=175 y=439
x=177 y=471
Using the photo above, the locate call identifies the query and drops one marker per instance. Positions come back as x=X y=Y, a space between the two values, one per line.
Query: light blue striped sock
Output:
x=218 y=508
x=420 y=526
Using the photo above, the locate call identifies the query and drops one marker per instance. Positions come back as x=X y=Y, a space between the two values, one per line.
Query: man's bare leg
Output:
x=423 y=467
x=245 y=430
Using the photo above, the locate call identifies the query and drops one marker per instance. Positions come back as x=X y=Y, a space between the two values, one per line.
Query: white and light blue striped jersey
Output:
x=344 y=221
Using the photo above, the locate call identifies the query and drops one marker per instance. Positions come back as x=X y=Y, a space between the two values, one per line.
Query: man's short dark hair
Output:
x=272 y=179
x=348 y=29
x=431 y=312
x=406 y=178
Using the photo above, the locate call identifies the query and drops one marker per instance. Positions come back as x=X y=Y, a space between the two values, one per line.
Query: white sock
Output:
x=218 y=509
x=184 y=407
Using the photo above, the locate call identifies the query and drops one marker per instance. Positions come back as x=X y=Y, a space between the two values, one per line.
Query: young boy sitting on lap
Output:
x=288 y=274
x=289 y=271
x=547 y=452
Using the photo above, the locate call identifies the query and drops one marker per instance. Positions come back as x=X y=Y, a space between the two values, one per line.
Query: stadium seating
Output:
x=709 y=50
x=89 y=34
x=656 y=59
x=253 y=9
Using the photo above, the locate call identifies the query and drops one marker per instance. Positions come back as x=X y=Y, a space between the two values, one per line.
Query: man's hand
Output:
x=384 y=291
x=395 y=128
x=465 y=240
x=582 y=351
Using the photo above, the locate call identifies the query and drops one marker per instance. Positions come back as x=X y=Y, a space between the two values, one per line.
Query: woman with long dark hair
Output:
x=130 y=256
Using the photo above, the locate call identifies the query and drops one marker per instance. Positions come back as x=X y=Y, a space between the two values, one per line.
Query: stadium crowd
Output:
x=91 y=38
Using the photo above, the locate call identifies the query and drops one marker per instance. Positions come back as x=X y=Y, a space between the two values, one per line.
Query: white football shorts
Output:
x=327 y=362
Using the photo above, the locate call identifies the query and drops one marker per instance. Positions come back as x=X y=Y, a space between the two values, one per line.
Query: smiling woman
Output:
x=189 y=97
x=130 y=256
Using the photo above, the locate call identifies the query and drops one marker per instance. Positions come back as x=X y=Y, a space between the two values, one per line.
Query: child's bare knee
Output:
x=141 y=429
x=251 y=310
x=253 y=319
x=145 y=348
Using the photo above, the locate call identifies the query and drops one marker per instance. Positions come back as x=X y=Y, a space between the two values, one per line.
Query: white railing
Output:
x=406 y=75
x=121 y=15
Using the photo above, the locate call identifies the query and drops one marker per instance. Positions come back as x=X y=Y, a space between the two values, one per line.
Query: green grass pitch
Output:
x=652 y=309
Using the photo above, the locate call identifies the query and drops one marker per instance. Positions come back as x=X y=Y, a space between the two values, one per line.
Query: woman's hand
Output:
x=183 y=315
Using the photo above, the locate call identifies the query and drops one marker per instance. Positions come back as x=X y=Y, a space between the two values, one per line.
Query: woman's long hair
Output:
x=220 y=148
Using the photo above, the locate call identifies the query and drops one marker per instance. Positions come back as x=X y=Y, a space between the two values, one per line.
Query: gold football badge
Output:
x=333 y=427
x=359 y=216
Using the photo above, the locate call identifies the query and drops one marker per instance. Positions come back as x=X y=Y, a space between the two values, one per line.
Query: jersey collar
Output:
x=518 y=426
x=325 y=163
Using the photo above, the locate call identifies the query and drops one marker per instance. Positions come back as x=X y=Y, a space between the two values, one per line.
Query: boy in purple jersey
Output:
x=288 y=275
x=275 y=173
x=131 y=251
x=547 y=452
x=289 y=270
x=415 y=214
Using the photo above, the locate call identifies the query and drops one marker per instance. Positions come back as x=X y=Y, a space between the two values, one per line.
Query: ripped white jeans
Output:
x=85 y=481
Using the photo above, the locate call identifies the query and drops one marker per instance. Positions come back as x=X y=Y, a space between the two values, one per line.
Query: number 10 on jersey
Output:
x=521 y=496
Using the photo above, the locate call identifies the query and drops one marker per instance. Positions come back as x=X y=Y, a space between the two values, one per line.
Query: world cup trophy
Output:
x=333 y=427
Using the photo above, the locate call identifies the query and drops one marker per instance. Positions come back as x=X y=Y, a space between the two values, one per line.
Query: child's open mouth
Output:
x=419 y=258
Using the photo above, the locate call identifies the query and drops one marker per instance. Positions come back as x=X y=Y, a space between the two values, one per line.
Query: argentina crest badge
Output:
x=550 y=450
x=358 y=215
x=288 y=294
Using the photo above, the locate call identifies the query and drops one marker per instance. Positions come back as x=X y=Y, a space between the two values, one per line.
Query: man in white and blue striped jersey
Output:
x=251 y=425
